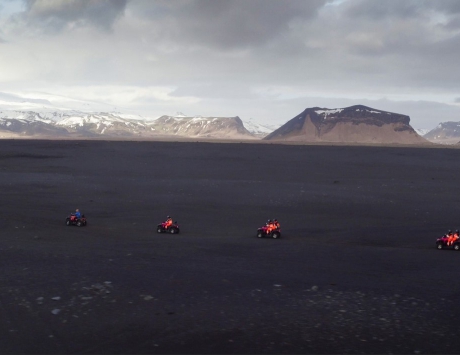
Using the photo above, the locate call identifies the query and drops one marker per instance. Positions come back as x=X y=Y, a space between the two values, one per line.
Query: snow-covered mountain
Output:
x=71 y=123
x=445 y=133
x=18 y=123
x=421 y=131
x=259 y=130
x=66 y=123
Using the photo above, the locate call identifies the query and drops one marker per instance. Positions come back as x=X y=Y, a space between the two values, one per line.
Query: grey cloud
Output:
x=457 y=100
x=227 y=24
x=9 y=97
x=383 y=9
x=16 y=98
x=453 y=23
x=447 y=6
x=228 y=90
x=399 y=9
x=437 y=63
x=2 y=38
x=56 y=15
x=408 y=49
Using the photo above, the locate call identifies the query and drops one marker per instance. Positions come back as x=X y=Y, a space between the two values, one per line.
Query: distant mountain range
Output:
x=71 y=123
x=354 y=124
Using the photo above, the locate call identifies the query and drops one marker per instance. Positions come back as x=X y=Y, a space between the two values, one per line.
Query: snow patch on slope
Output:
x=328 y=112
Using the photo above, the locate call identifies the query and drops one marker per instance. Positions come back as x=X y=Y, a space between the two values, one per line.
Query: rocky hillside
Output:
x=445 y=133
x=66 y=124
x=355 y=124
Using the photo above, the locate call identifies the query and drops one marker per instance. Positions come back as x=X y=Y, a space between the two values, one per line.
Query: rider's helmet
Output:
x=168 y=217
x=457 y=231
x=449 y=232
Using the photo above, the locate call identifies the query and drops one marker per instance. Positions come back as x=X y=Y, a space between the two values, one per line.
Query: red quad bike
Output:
x=441 y=243
x=173 y=228
x=263 y=232
x=72 y=220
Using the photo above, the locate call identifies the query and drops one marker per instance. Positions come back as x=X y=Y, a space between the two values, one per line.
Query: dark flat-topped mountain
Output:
x=354 y=124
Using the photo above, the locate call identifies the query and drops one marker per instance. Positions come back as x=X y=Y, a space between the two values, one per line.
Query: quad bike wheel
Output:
x=173 y=230
x=260 y=234
x=67 y=222
x=439 y=246
x=79 y=224
x=457 y=247
x=276 y=235
x=159 y=230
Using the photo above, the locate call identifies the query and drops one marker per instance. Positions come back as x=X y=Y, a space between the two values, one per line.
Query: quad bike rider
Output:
x=271 y=229
x=449 y=241
x=76 y=219
x=168 y=226
x=453 y=238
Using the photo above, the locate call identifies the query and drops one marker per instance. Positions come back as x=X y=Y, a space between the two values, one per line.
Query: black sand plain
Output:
x=356 y=270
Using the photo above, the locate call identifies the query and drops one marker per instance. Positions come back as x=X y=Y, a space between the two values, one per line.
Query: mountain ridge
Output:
x=73 y=123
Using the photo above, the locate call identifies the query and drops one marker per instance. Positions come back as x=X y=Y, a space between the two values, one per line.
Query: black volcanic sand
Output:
x=356 y=270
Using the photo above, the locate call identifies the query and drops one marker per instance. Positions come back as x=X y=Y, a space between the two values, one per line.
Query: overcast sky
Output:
x=261 y=59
